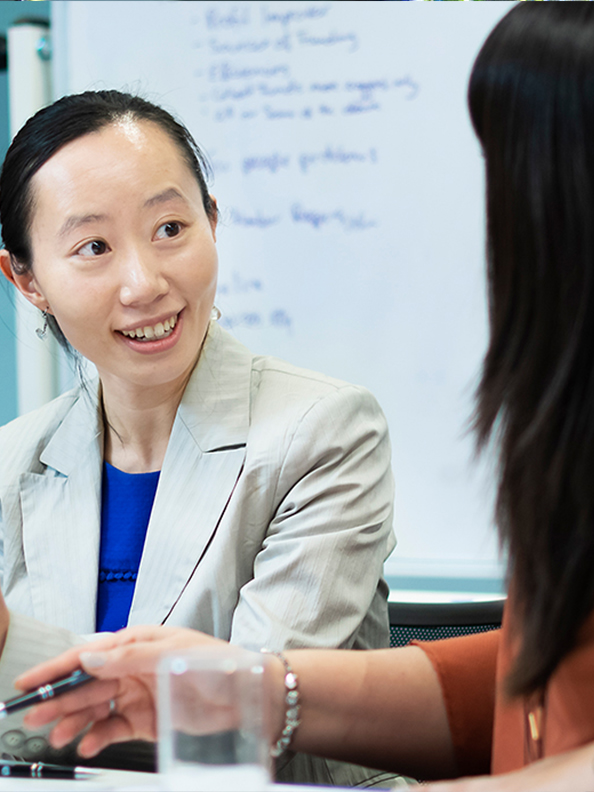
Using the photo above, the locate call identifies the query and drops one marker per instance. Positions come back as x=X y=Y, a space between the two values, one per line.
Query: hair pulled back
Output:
x=531 y=99
x=62 y=122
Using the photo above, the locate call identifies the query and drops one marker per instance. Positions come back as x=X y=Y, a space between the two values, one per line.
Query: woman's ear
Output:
x=25 y=282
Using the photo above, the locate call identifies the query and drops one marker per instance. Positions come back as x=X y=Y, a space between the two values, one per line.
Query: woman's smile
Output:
x=154 y=338
x=149 y=332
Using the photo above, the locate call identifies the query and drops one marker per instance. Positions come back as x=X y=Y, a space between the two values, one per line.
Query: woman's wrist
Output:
x=285 y=702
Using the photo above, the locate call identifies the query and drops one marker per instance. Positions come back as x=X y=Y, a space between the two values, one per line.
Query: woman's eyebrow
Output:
x=74 y=221
x=166 y=195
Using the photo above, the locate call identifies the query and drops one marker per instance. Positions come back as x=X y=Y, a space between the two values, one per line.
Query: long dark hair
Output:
x=531 y=98
x=52 y=128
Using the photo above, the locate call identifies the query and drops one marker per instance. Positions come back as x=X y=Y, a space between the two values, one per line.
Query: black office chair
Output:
x=421 y=621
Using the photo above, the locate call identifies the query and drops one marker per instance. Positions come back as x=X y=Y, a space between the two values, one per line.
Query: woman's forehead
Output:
x=126 y=157
x=125 y=140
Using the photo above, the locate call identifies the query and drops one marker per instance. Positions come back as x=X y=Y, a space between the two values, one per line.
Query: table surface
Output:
x=108 y=780
x=118 y=781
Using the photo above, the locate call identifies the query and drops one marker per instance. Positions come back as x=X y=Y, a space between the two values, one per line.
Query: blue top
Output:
x=126 y=504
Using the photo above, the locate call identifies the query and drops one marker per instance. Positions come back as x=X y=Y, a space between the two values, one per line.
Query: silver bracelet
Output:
x=292 y=706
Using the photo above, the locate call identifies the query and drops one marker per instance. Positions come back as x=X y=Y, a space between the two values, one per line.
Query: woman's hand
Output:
x=124 y=664
x=572 y=771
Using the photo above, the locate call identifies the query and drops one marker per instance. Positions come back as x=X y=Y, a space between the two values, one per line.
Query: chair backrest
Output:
x=430 y=621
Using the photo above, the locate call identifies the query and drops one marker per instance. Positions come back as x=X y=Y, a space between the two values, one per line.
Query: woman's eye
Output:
x=168 y=230
x=94 y=248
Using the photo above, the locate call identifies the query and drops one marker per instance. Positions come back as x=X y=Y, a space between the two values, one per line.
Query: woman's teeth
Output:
x=150 y=332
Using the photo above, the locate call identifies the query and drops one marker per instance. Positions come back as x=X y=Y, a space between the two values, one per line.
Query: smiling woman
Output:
x=193 y=483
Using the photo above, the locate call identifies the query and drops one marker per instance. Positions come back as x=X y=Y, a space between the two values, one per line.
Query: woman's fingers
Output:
x=134 y=718
x=133 y=702
x=154 y=638
x=69 y=661
x=137 y=650
x=72 y=725
x=132 y=715
x=128 y=660
x=60 y=666
x=104 y=733
x=91 y=695
x=124 y=665
x=93 y=653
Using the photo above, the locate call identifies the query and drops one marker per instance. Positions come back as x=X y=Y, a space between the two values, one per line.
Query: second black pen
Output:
x=44 y=693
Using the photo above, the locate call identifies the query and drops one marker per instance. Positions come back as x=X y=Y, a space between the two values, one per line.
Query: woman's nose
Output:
x=142 y=280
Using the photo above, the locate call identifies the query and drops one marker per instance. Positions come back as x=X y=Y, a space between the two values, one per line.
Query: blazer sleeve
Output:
x=318 y=575
x=28 y=642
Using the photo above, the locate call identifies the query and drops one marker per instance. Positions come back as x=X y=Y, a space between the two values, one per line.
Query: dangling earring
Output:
x=215 y=314
x=41 y=332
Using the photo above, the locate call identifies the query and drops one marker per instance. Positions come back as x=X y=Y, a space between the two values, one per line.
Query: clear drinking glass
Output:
x=212 y=732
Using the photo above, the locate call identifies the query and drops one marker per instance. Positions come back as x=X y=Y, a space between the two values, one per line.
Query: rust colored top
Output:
x=490 y=730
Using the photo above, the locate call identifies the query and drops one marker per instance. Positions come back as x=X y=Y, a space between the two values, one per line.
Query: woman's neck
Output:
x=138 y=424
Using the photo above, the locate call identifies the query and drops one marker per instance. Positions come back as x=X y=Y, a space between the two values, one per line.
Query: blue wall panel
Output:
x=9 y=14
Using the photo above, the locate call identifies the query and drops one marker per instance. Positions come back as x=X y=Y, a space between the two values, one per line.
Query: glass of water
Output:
x=212 y=710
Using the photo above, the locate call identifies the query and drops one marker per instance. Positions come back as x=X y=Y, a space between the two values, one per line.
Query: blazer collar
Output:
x=195 y=486
x=61 y=518
x=79 y=435
x=204 y=459
x=215 y=407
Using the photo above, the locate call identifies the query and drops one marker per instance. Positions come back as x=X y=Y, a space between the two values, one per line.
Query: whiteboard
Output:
x=350 y=186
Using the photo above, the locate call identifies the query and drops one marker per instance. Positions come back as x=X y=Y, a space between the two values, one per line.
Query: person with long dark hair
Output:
x=518 y=703
x=192 y=483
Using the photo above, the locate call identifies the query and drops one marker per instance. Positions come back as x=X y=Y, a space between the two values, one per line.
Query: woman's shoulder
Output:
x=273 y=379
x=25 y=436
x=302 y=419
x=279 y=379
x=287 y=401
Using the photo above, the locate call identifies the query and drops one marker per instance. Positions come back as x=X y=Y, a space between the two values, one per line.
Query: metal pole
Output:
x=29 y=85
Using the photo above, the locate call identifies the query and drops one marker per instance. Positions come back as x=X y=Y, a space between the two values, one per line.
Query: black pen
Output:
x=42 y=770
x=44 y=693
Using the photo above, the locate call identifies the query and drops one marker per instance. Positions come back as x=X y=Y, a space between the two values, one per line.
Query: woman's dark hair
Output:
x=531 y=99
x=52 y=128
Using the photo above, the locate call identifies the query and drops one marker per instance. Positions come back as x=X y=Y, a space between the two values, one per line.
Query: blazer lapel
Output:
x=62 y=563
x=203 y=462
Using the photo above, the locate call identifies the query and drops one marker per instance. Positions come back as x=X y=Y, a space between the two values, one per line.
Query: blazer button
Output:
x=13 y=739
x=34 y=746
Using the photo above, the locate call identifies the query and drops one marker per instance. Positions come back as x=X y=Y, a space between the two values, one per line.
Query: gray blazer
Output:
x=270 y=525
